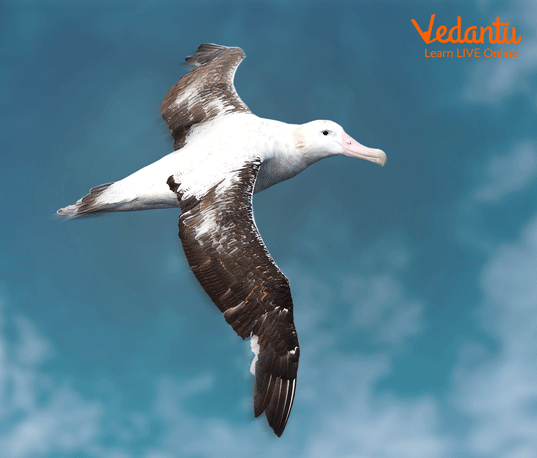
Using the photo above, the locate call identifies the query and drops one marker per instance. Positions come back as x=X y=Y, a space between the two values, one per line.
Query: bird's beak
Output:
x=352 y=148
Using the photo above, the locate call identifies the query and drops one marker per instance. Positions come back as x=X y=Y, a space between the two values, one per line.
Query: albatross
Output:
x=223 y=154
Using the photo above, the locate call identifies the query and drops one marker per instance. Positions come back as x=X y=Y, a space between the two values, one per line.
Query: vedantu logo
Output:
x=497 y=33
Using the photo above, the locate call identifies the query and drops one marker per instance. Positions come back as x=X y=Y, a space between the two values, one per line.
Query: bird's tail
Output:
x=143 y=190
x=97 y=201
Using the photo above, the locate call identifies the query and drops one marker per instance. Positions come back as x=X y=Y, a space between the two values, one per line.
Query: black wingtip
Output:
x=280 y=405
x=275 y=397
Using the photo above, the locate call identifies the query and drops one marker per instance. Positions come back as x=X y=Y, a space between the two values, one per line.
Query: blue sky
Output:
x=414 y=284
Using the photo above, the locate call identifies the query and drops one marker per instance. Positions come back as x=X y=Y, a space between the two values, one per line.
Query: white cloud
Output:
x=358 y=422
x=32 y=349
x=505 y=176
x=380 y=303
x=345 y=417
x=509 y=173
x=20 y=382
x=494 y=79
x=45 y=415
x=337 y=392
x=499 y=391
x=51 y=418
x=185 y=434
x=66 y=423
x=370 y=288
x=171 y=394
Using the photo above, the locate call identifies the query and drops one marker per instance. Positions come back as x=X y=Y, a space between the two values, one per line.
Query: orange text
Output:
x=496 y=34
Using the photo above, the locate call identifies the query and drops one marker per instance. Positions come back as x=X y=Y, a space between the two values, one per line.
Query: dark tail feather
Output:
x=89 y=204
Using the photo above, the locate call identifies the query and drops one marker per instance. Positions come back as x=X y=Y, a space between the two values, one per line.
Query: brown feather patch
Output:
x=230 y=260
x=204 y=93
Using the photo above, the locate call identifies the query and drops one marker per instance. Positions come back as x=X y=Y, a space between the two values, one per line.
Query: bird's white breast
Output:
x=226 y=144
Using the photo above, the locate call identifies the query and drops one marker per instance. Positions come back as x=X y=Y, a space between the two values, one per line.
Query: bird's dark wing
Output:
x=230 y=260
x=204 y=93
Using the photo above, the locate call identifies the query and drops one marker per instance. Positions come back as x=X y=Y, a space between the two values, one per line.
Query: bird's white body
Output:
x=226 y=144
x=212 y=151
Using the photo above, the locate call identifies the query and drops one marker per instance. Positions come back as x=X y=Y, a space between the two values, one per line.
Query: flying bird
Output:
x=223 y=154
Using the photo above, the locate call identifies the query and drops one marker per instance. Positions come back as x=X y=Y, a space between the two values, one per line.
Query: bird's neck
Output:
x=281 y=157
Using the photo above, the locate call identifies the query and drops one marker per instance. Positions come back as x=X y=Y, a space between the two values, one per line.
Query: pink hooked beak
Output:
x=352 y=148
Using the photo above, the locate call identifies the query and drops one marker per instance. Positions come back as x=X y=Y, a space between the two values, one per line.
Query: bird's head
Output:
x=319 y=139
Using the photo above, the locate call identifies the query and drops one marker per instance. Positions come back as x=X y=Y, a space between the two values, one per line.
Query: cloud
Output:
x=498 y=392
x=50 y=417
x=365 y=296
x=358 y=422
x=44 y=415
x=32 y=349
x=345 y=417
x=504 y=177
x=338 y=392
x=66 y=423
x=185 y=434
x=380 y=304
x=509 y=173
x=492 y=80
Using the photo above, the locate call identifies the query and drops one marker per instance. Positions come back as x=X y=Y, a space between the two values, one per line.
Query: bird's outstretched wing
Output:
x=230 y=260
x=204 y=93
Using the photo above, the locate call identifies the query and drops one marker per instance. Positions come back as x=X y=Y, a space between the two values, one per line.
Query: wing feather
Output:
x=230 y=260
x=204 y=93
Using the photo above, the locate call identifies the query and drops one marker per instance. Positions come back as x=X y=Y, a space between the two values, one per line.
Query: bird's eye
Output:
x=325 y=132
